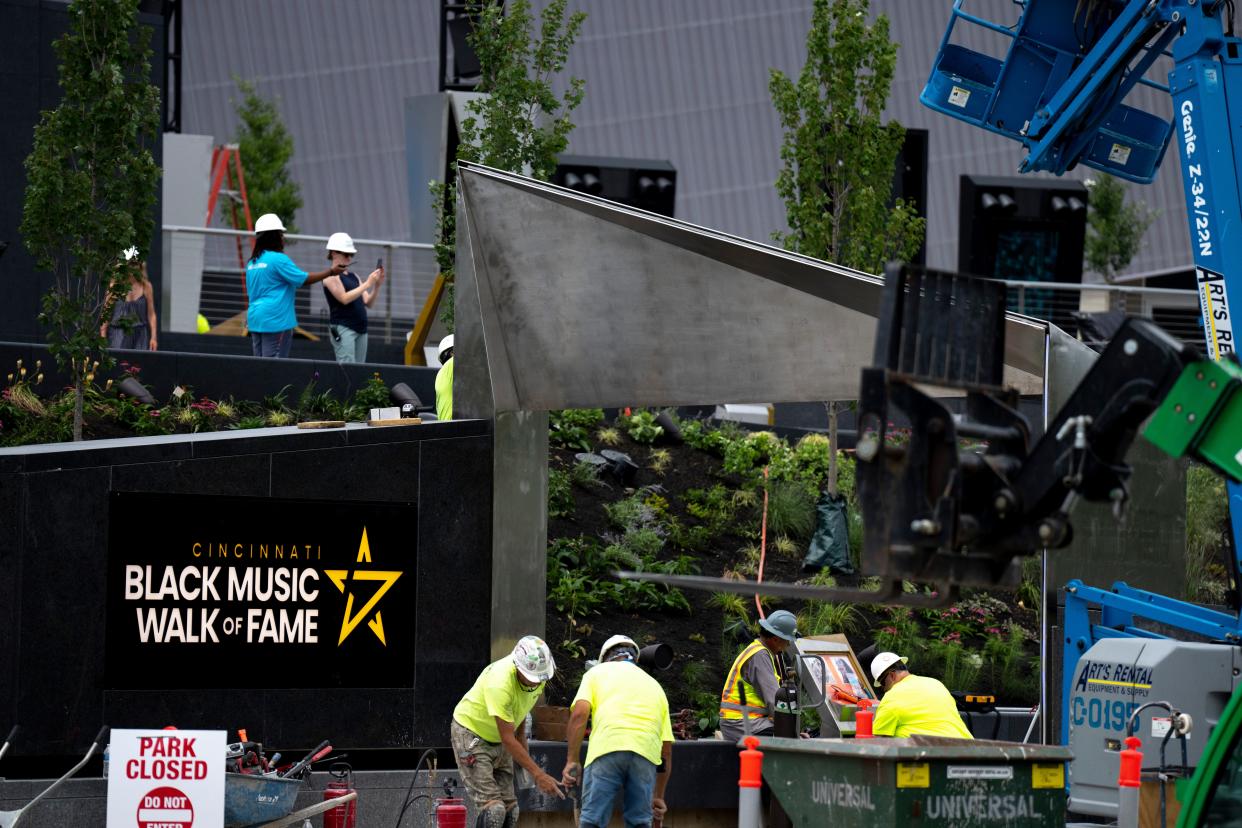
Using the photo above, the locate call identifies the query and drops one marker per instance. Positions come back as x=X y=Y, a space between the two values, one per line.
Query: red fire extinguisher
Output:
x=342 y=784
x=449 y=811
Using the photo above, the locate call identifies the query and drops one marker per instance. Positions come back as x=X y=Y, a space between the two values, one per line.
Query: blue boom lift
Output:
x=1060 y=91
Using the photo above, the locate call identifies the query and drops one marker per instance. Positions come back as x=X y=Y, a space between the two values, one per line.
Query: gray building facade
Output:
x=682 y=80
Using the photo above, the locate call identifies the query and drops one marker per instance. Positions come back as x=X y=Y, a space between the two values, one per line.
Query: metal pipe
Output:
x=1128 y=807
x=222 y=231
x=1035 y=715
x=388 y=298
x=749 y=808
x=1082 y=288
x=1045 y=574
x=987 y=24
x=983 y=431
x=99 y=742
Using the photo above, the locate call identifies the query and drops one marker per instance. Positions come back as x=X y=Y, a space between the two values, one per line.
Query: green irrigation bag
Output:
x=830 y=545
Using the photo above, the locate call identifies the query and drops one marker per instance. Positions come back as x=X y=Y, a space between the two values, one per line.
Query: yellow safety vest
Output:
x=735 y=684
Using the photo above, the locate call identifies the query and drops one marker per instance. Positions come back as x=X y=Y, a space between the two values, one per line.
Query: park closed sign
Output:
x=166 y=779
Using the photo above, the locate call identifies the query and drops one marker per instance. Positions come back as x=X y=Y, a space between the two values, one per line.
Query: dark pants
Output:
x=271 y=344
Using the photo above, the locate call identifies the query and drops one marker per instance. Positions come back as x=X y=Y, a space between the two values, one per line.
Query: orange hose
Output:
x=763 y=541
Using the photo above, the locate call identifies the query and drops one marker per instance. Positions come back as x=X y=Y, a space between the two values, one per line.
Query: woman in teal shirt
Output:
x=272 y=279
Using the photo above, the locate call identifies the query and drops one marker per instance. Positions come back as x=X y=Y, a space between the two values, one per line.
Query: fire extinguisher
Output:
x=450 y=811
x=341 y=784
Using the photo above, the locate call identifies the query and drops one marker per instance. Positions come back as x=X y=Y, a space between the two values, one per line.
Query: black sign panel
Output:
x=243 y=592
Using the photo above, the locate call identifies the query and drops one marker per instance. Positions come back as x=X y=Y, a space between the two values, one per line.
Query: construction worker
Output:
x=755 y=677
x=630 y=751
x=444 y=379
x=489 y=732
x=912 y=705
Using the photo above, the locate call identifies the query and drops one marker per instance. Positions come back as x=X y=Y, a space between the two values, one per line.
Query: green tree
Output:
x=838 y=155
x=266 y=148
x=91 y=180
x=1114 y=228
x=521 y=124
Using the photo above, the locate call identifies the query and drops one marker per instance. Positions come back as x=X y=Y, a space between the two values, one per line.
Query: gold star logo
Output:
x=340 y=576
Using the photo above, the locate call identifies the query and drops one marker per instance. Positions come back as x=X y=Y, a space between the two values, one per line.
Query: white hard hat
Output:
x=882 y=662
x=533 y=659
x=268 y=221
x=341 y=243
x=445 y=345
x=130 y=254
x=617 y=641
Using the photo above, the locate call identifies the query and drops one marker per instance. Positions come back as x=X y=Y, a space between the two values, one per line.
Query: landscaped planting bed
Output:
x=695 y=507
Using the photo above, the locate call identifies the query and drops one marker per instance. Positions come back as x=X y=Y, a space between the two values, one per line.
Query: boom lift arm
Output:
x=1059 y=92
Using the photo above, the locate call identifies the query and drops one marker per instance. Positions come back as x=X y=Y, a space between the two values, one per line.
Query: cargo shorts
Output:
x=486 y=769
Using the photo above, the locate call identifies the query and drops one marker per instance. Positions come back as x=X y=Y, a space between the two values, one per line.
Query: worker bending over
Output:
x=630 y=751
x=913 y=705
x=489 y=732
x=755 y=677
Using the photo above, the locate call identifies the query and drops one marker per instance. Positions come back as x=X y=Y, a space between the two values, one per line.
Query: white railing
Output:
x=1177 y=311
x=206 y=275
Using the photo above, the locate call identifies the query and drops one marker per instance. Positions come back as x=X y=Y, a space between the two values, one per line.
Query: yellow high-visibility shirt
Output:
x=496 y=692
x=629 y=711
x=919 y=706
x=444 y=391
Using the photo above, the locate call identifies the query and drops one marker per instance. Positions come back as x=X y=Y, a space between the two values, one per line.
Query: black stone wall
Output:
x=54 y=528
x=29 y=74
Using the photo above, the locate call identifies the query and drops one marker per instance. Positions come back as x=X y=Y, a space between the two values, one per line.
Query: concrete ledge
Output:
x=210 y=444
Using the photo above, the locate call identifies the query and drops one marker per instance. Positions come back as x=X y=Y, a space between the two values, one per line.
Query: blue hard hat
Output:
x=781 y=624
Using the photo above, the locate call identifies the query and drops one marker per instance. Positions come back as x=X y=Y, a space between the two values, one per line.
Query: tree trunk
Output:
x=79 y=396
x=831 y=407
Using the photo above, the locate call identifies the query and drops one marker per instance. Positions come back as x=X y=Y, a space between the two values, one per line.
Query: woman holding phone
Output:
x=348 y=299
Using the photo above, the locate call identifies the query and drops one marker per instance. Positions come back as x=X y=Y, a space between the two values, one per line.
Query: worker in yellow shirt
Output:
x=489 y=732
x=630 y=751
x=913 y=705
x=444 y=379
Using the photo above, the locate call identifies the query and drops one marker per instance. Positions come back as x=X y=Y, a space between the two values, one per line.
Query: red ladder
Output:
x=226 y=163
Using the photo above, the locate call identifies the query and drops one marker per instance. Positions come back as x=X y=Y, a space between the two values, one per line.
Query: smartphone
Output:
x=379 y=263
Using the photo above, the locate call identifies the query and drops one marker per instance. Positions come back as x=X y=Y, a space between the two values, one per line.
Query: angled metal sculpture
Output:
x=570 y=301
x=564 y=300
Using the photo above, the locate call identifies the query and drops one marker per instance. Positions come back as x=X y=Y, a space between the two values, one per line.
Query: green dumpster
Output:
x=922 y=780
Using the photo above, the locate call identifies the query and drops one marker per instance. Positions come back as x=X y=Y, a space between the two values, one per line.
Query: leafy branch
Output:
x=521 y=124
x=91 y=181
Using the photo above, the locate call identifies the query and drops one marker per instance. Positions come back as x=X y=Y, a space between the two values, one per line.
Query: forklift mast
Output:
x=1061 y=91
